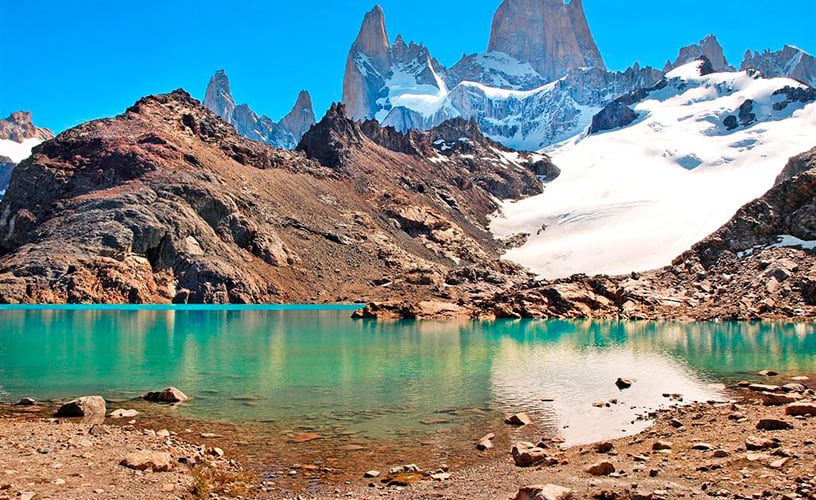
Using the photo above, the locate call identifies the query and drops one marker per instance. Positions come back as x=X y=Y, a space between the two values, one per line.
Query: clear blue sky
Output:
x=71 y=61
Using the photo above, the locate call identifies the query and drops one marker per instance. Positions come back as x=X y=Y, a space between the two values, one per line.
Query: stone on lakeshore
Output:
x=372 y=474
x=518 y=419
x=801 y=409
x=772 y=424
x=676 y=423
x=170 y=395
x=157 y=461
x=123 y=413
x=86 y=406
x=604 y=447
x=757 y=443
x=527 y=454
x=486 y=442
x=800 y=378
x=441 y=476
x=405 y=469
x=768 y=373
x=721 y=454
x=624 y=383
x=702 y=447
x=544 y=492
x=797 y=388
x=775 y=399
x=662 y=445
x=27 y=402
x=306 y=437
x=764 y=388
x=600 y=469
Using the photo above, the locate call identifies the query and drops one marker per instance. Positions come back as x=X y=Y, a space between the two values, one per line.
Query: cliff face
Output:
x=168 y=203
x=553 y=37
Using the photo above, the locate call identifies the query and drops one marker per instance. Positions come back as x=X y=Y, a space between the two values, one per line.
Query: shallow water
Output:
x=296 y=368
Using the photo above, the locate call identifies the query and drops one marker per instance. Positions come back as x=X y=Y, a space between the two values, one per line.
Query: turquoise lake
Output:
x=277 y=366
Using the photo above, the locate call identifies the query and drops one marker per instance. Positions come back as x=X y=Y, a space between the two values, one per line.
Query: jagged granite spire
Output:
x=219 y=98
x=369 y=61
x=301 y=117
x=790 y=62
x=553 y=37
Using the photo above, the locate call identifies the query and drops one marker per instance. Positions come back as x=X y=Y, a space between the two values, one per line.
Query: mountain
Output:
x=511 y=95
x=380 y=77
x=664 y=168
x=550 y=35
x=166 y=202
x=708 y=47
x=285 y=134
x=18 y=136
x=790 y=62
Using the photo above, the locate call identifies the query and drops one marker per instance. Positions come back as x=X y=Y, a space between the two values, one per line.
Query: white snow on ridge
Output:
x=18 y=151
x=633 y=199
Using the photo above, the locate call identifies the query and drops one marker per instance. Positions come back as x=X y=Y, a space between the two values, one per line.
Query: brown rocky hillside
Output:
x=167 y=203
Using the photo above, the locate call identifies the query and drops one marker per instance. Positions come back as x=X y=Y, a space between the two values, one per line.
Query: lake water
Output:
x=387 y=380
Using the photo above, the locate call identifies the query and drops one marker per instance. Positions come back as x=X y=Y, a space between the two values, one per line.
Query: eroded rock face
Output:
x=553 y=37
x=18 y=127
x=789 y=62
x=708 y=47
x=168 y=203
x=286 y=134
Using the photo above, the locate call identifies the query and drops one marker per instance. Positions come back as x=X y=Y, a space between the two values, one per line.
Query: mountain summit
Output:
x=553 y=37
x=285 y=134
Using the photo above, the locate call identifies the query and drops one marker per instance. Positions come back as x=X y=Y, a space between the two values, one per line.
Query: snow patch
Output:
x=18 y=151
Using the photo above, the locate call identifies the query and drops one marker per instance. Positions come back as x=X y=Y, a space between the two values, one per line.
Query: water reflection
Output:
x=386 y=378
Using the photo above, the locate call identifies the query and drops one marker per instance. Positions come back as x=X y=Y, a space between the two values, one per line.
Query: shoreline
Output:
x=681 y=471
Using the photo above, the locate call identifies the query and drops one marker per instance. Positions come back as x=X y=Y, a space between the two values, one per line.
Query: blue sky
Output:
x=71 y=61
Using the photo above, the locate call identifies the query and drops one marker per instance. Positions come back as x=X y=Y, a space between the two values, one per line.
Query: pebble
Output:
x=702 y=447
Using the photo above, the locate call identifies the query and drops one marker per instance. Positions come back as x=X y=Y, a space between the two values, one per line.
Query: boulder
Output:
x=757 y=443
x=624 y=383
x=774 y=399
x=600 y=469
x=86 y=406
x=170 y=395
x=148 y=460
x=527 y=454
x=772 y=424
x=518 y=419
x=27 y=402
x=801 y=409
x=544 y=492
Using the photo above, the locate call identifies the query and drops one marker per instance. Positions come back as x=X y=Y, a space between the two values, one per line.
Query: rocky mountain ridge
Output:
x=285 y=134
x=168 y=203
x=18 y=135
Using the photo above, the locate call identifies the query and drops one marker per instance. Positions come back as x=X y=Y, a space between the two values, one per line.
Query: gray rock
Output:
x=170 y=395
x=86 y=406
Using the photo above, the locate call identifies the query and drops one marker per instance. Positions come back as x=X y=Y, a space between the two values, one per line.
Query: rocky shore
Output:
x=759 y=444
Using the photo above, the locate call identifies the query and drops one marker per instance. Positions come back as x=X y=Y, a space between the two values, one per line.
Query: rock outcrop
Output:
x=19 y=127
x=553 y=37
x=790 y=62
x=168 y=203
x=374 y=67
x=286 y=134
x=708 y=47
x=18 y=136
